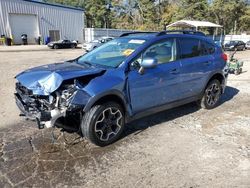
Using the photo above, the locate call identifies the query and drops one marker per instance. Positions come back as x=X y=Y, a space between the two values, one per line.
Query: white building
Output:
x=36 y=18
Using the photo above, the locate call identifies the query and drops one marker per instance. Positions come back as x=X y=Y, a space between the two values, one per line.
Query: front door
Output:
x=159 y=85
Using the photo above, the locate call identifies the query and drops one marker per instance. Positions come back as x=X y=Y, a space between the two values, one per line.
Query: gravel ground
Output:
x=182 y=147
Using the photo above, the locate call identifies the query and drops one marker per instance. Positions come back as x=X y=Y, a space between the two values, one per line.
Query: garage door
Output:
x=24 y=24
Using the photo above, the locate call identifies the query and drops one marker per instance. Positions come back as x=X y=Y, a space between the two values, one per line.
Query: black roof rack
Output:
x=137 y=32
x=189 y=32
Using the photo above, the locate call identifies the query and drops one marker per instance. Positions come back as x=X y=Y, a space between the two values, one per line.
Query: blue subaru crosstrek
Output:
x=129 y=77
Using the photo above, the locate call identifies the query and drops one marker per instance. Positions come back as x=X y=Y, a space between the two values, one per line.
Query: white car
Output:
x=96 y=43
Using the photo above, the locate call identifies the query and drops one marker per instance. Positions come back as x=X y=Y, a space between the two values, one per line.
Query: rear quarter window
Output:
x=189 y=47
x=206 y=48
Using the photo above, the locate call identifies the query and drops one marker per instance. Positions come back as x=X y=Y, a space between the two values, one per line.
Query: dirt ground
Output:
x=182 y=147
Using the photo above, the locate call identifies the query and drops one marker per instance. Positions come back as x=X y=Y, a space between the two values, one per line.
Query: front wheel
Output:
x=211 y=95
x=103 y=124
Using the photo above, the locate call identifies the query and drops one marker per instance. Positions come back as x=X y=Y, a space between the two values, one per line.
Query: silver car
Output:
x=96 y=43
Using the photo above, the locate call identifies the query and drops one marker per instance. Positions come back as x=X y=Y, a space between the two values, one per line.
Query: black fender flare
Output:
x=111 y=93
x=213 y=74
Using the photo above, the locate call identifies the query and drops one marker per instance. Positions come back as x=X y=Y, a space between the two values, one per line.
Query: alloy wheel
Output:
x=213 y=94
x=108 y=123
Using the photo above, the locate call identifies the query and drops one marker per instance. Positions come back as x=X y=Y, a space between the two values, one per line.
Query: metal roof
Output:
x=190 y=23
x=54 y=4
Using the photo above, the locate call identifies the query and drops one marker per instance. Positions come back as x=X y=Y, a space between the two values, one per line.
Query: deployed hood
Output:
x=44 y=80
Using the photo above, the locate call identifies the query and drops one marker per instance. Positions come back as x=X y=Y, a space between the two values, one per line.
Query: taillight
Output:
x=224 y=57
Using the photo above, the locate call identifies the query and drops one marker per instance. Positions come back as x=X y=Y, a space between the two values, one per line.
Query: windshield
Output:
x=113 y=53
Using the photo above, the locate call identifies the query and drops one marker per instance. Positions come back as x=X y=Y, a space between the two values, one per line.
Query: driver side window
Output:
x=163 y=52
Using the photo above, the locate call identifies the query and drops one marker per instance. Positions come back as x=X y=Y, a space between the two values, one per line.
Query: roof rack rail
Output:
x=137 y=32
x=189 y=32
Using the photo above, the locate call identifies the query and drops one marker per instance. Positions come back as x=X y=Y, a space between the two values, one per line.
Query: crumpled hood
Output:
x=45 y=79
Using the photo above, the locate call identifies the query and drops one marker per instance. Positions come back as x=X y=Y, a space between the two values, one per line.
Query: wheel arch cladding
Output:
x=111 y=98
x=219 y=77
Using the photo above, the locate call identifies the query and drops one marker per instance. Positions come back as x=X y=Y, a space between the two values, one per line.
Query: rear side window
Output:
x=189 y=47
x=206 y=48
x=195 y=47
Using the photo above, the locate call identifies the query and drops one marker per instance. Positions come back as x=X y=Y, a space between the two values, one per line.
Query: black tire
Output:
x=240 y=70
x=100 y=129
x=237 y=72
x=56 y=46
x=72 y=46
x=211 y=95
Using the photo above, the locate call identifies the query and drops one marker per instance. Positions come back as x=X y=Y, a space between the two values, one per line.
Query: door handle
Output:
x=174 y=71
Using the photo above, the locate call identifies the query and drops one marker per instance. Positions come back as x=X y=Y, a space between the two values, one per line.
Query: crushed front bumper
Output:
x=43 y=118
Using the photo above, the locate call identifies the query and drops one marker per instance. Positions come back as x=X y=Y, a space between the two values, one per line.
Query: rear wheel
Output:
x=211 y=95
x=73 y=46
x=103 y=124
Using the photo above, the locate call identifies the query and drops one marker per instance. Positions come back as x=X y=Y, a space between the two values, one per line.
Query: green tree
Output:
x=98 y=13
x=125 y=14
x=169 y=14
x=193 y=10
x=148 y=14
x=244 y=24
x=155 y=14
x=228 y=13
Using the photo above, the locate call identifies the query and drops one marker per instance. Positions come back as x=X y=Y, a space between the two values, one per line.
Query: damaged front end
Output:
x=47 y=110
x=53 y=94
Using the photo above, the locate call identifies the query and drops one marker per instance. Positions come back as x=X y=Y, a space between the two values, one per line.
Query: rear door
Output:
x=196 y=63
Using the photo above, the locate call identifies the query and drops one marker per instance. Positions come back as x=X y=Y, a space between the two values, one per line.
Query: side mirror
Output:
x=147 y=63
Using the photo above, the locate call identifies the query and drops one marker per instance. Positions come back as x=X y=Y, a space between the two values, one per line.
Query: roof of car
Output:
x=141 y=36
x=153 y=36
x=163 y=34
